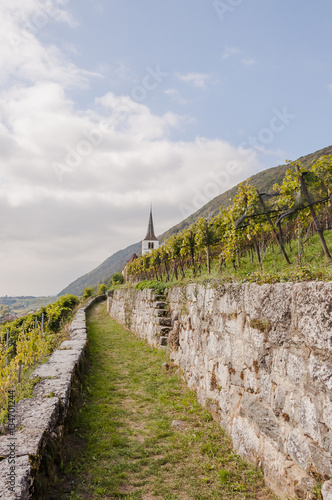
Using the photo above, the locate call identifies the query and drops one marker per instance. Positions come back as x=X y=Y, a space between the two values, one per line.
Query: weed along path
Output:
x=140 y=433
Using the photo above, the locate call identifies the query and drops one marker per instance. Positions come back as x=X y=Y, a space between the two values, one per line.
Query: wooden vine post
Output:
x=306 y=194
x=278 y=237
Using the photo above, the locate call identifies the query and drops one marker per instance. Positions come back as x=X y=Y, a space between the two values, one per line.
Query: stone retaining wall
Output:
x=29 y=454
x=144 y=313
x=259 y=357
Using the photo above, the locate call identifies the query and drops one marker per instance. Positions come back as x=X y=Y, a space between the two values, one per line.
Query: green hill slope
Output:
x=263 y=181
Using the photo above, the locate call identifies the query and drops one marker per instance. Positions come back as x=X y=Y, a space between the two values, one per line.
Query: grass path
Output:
x=123 y=444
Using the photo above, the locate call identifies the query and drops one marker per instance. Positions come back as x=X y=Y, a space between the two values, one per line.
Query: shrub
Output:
x=158 y=286
x=102 y=288
x=88 y=292
x=117 y=279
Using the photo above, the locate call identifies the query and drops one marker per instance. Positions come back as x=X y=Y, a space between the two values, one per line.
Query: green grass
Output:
x=122 y=444
x=311 y=265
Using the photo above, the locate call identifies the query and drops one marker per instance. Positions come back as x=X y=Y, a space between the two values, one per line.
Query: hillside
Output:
x=263 y=181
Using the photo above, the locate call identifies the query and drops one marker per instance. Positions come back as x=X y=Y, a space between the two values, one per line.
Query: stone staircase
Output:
x=163 y=318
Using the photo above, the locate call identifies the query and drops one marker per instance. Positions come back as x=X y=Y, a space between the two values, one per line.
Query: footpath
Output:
x=140 y=433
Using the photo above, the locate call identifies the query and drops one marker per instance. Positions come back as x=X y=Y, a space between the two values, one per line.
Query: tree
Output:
x=189 y=246
x=306 y=195
x=205 y=237
x=174 y=248
x=117 y=279
x=278 y=237
x=295 y=194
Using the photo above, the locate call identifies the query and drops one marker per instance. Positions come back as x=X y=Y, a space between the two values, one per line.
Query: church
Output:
x=149 y=243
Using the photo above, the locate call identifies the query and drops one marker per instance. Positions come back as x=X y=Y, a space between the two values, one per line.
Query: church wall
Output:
x=145 y=246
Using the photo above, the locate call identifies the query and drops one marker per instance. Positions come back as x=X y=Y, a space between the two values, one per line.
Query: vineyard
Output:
x=282 y=225
x=26 y=341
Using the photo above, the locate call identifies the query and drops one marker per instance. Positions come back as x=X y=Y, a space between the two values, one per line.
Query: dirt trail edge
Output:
x=140 y=433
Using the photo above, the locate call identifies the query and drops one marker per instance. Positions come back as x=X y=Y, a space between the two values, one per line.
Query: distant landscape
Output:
x=12 y=308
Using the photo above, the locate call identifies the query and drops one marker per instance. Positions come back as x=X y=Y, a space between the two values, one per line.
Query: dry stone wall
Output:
x=145 y=313
x=27 y=456
x=259 y=357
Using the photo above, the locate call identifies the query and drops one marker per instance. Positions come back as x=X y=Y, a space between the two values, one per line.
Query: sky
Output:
x=107 y=106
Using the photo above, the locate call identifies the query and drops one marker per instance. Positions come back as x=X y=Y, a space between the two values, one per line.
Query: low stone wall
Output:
x=259 y=357
x=27 y=456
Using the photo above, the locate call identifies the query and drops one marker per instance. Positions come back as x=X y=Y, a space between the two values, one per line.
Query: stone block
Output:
x=59 y=387
x=246 y=441
x=309 y=419
x=266 y=388
x=279 y=400
x=27 y=442
x=327 y=412
x=54 y=370
x=313 y=319
x=298 y=449
x=276 y=471
x=260 y=303
x=304 y=485
x=321 y=460
x=37 y=413
x=79 y=335
x=23 y=479
x=327 y=490
x=321 y=372
x=73 y=345
x=279 y=361
x=229 y=299
x=327 y=442
x=251 y=381
x=296 y=369
x=254 y=410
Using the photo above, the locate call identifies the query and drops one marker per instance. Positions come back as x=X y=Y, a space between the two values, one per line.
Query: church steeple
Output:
x=150 y=241
x=150 y=236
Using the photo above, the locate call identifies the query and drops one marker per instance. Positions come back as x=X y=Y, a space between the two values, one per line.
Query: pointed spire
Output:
x=150 y=236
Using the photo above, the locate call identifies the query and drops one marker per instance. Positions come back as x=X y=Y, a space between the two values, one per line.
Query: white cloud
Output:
x=113 y=158
x=248 y=62
x=23 y=57
x=175 y=96
x=235 y=51
x=198 y=80
x=74 y=224
x=230 y=51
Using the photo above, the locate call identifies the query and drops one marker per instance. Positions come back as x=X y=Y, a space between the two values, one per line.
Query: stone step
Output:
x=165 y=331
x=161 y=313
x=160 y=305
x=164 y=321
x=158 y=297
x=163 y=341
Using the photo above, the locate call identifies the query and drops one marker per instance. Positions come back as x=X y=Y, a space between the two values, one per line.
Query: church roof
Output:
x=132 y=258
x=150 y=236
